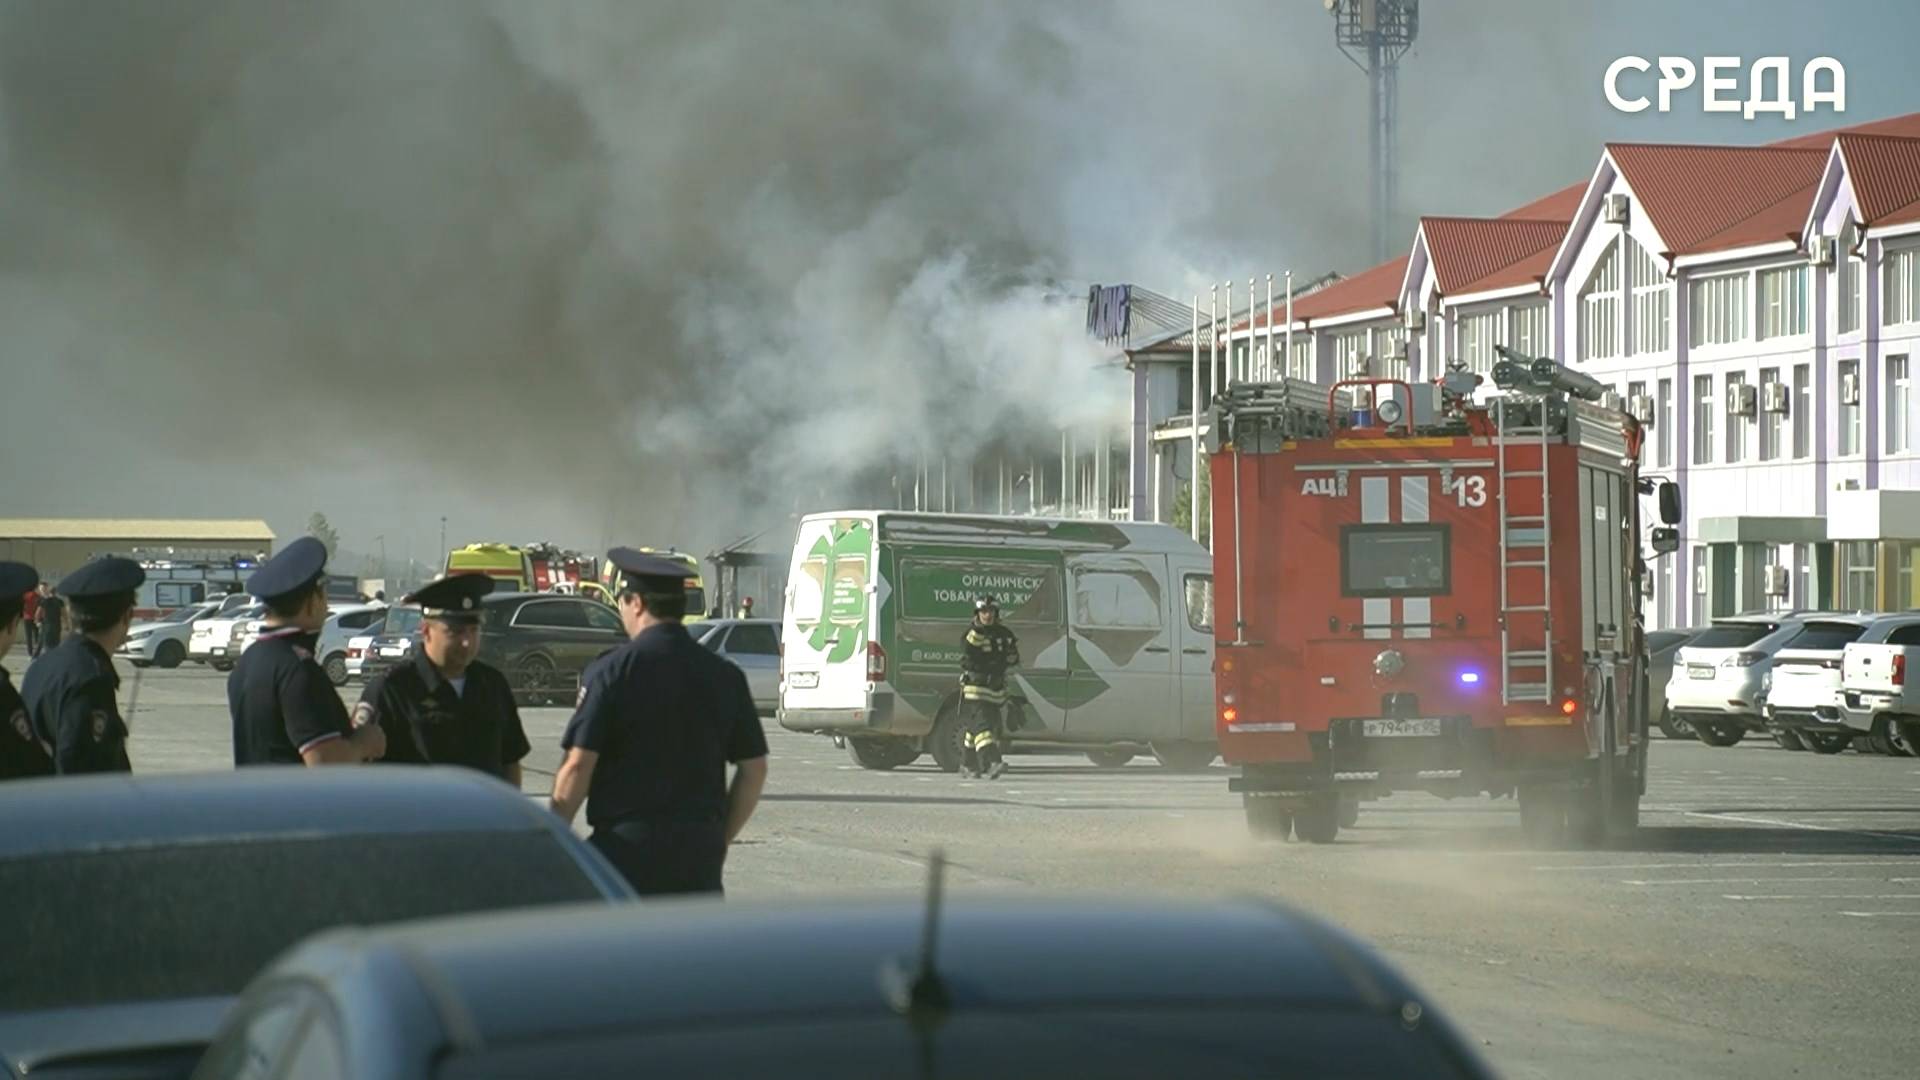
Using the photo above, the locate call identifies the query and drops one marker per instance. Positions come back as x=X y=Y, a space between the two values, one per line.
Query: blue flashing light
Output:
x=1471 y=678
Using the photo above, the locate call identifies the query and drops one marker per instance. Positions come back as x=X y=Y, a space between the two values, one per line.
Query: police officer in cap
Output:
x=22 y=754
x=285 y=710
x=446 y=707
x=70 y=691
x=656 y=724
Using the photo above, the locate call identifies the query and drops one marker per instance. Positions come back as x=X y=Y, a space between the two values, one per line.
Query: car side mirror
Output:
x=1669 y=503
x=1666 y=541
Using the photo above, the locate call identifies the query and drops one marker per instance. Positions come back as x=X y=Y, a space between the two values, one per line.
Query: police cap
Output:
x=453 y=599
x=644 y=573
x=296 y=567
x=108 y=575
x=15 y=579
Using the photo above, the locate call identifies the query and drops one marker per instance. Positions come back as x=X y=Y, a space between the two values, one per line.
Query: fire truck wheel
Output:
x=1349 y=812
x=1827 y=742
x=1184 y=756
x=944 y=741
x=1543 y=816
x=882 y=755
x=170 y=655
x=1319 y=823
x=1267 y=819
x=1715 y=734
x=1789 y=740
x=1586 y=824
x=1109 y=759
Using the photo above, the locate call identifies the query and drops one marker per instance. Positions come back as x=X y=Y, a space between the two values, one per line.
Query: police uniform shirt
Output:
x=666 y=717
x=70 y=700
x=282 y=702
x=22 y=754
x=430 y=721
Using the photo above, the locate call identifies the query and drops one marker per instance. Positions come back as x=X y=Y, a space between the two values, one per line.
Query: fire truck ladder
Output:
x=1526 y=657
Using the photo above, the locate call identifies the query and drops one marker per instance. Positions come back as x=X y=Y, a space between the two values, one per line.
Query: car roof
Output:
x=505 y=977
x=92 y=813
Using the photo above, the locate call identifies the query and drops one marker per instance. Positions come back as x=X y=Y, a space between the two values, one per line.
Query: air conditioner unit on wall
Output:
x=1611 y=400
x=1641 y=407
x=1850 y=388
x=1415 y=321
x=1742 y=399
x=1778 y=398
x=1820 y=251
x=1616 y=208
x=1777 y=580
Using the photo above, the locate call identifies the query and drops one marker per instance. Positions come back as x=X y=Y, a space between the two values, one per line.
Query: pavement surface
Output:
x=1766 y=923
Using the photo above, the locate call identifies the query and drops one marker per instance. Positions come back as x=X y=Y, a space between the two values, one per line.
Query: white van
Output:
x=1115 y=621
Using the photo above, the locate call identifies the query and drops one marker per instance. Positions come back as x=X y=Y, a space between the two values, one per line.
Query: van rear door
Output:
x=1193 y=625
x=828 y=618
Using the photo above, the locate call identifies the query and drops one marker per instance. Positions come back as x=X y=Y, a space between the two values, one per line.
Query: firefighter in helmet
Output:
x=991 y=651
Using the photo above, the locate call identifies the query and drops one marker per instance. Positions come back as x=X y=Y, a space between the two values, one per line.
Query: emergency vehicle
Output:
x=696 y=584
x=1418 y=592
x=533 y=568
x=172 y=584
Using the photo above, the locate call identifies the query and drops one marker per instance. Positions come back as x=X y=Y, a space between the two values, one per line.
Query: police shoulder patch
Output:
x=580 y=698
x=99 y=724
x=21 y=726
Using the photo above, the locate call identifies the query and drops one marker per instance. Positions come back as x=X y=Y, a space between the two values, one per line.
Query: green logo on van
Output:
x=840 y=560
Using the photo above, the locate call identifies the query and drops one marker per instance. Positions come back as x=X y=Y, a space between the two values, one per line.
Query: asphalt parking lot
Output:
x=1764 y=924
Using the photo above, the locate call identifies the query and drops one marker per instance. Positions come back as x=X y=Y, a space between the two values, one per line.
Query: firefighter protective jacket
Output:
x=991 y=651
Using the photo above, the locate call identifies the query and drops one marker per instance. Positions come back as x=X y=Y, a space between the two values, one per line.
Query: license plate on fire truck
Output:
x=1401 y=728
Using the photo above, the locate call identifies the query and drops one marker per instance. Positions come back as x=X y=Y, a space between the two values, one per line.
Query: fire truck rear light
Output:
x=1470 y=678
x=1230 y=714
x=1326 y=680
x=1228 y=698
x=1569 y=707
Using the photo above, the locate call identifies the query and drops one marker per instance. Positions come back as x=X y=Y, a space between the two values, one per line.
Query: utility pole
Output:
x=1381 y=31
x=443 y=536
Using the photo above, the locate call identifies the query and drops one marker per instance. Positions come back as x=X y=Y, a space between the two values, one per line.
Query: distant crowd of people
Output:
x=44 y=617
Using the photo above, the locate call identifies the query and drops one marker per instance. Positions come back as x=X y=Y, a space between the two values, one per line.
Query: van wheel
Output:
x=1267 y=818
x=1716 y=734
x=1827 y=742
x=1319 y=823
x=882 y=755
x=170 y=654
x=1185 y=756
x=944 y=741
x=1109 y=759
x=1789 y=740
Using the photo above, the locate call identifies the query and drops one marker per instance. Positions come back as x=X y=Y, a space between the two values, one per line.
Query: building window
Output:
x=1699 y=585
x=1663 y=423
x=1529 y=331
x=1849 y=412
x=1783 y=301
x=1300 y=357
x=1478 y=334
x=1350 y=354
x=1853 y=271
x=1770 y=425
x=1900 y=298
x=1600 y=309
x=1703 y=419
x=1717 y=309
x=1899 y=422
x=1859 y=576
x=1738 y=423
x=1651 y=306
x=1390 y=349
x=1802 y=406
x=1669 y=613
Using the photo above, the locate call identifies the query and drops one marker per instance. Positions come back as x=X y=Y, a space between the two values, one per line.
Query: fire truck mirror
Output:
x=1669 y=502
x=1666 y=541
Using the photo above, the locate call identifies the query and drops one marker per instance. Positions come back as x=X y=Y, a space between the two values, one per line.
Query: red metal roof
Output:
x=1373 y=288
x=1468 y=251
x=1885 y=173
x=1908 y=126
x=1559 y=206
x=1711 y=198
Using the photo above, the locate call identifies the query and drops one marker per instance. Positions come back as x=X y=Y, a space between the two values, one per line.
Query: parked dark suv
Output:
x=540 y=641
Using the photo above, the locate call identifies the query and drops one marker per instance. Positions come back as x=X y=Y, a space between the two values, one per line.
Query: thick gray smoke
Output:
x=656 y=270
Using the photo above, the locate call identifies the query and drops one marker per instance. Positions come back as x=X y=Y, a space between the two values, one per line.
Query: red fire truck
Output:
x=1414 y=592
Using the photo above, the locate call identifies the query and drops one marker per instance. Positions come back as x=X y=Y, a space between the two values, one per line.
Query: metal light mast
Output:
x=1381 y=31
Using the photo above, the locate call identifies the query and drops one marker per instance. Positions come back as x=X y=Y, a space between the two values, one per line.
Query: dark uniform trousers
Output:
x=988 y=652
x=666 y=858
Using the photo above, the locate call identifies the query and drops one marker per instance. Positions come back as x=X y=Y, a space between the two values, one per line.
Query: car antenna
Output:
x=913 y=986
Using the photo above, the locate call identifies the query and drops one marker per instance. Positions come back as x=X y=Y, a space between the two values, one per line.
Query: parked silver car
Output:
x=754 y=647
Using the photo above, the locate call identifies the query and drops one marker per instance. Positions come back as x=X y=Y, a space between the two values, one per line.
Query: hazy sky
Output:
x=664 y=272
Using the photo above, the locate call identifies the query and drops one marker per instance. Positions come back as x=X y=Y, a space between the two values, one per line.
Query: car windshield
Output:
x=1733 y=635
x=1827 y=636
x=185 y=614
x=1150 y=1044
x=195 y=920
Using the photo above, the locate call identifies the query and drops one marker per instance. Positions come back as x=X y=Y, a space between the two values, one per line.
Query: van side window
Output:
x=1906 y=635
x=1116 y=600
x=1200 y=602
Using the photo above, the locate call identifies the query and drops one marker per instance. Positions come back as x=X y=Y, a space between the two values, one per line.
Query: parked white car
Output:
x=163 y=641
x=212 y=639
x=1719 y=678
x=336 y=637
x=1803 y=696
x=753 y=645
x=1880 y=685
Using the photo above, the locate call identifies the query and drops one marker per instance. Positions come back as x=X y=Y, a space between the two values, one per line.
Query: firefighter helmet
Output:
x=986 y=603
